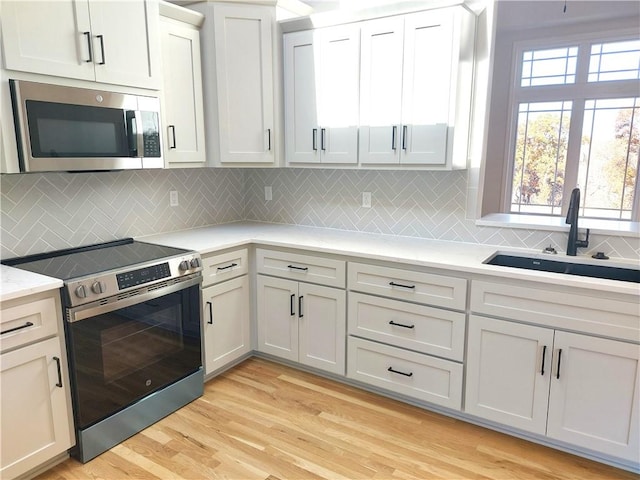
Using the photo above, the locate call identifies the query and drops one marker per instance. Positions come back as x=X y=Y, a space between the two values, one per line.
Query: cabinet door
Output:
x=595 y=395
x=244 y=66
x=322 y=327
x=381 y=90
x=426 y=89
x=226 y=323
x=126 y=42
x=182 y=94
x=36 y=422
x=277 y=317
x=339 y=87
x=508 y=372
x=52 y=38
x=301 y=70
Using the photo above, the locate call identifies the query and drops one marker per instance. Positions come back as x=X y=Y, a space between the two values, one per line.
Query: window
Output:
x=576 y=121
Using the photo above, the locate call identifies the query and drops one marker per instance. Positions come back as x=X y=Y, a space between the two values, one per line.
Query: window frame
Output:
x=579 y=92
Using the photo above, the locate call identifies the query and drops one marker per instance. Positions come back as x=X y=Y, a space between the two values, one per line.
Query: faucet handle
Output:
x=583 y=243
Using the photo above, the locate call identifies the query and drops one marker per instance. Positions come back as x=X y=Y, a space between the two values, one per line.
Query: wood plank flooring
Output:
x=262 y=420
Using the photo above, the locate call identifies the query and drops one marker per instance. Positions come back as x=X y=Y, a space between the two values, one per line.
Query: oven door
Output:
x=128 y=348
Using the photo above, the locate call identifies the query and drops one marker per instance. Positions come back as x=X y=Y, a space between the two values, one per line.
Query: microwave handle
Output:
x=133 y=131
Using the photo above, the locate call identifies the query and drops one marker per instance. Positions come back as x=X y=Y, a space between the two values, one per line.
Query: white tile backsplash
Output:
x=42 y=212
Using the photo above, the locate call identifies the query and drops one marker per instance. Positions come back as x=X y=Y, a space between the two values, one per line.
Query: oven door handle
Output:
x=110 y=304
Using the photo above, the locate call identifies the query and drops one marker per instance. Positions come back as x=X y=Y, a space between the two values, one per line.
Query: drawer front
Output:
x=438 y=290
x=413 y=374
x=558 y=309
x=306 y=268
x=407 y=325
x=224 y=266
x=29 y=319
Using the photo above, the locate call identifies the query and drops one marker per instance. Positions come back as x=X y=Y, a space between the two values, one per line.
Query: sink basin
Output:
x=571 y=268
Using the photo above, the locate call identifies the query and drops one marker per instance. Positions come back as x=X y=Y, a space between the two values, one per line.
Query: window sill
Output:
x=557 y=224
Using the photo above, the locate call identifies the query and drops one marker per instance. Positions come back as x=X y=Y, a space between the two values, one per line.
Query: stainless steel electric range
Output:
x=132 y=329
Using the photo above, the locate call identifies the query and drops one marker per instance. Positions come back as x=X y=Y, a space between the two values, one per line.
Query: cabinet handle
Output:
x=391 y=369
x=300 y=315
x=173 y=135
x=26 y=325
x=298 y=268
x=101 y=38
x=323 y=134
x=210 y=322
x=314 y=139
x=394 y=132
x=544 y=354
x=404 y=137
x=268 y=139
x=292 y=304
x=559 y=358
x=88 y=36
x=394 y=284
x=59 y=384
x=228 y=266
x=391 y=322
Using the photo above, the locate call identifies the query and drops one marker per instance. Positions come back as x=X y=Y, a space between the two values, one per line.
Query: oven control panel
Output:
x=89 y=289
x=143 y=275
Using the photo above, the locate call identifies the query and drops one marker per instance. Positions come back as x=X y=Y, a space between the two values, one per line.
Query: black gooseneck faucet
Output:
x=572 y=219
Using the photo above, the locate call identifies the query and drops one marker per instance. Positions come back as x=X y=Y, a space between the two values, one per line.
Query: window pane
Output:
x=615 y=61
x=556 y=66
x=609 y=156
x=540 y=157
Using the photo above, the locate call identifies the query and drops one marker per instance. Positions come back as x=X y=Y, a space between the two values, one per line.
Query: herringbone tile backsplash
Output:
x=43 y=212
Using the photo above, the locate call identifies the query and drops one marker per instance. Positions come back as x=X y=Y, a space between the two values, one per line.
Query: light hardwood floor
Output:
x=262 y=420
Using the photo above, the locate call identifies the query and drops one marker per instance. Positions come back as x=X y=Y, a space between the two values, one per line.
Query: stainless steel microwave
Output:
x=62 y=128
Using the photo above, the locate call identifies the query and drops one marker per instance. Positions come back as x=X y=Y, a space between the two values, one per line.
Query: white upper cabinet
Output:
x=321 y=95
x=238 y=78
x=415 y=89
x=182 y=109
x=109 y=42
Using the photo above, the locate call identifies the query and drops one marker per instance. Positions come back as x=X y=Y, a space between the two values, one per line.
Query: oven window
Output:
x=61 y=130
x=121 y=356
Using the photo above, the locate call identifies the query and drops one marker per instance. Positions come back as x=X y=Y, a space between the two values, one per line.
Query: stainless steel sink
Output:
x=623 y=274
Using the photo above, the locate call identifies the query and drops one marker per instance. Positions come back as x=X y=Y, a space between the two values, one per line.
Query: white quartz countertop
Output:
x=457 y=256
x=16 y=283
x=411 y=251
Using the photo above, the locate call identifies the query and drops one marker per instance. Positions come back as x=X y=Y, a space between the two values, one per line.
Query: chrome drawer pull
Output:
x=391 y=369
x=26 y=325
x=394 y=284
x=391 y=322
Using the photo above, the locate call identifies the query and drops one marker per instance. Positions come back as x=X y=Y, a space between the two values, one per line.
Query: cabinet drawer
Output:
x=217 y=268
x=438 y=290
x=580 y=311
x=419 y=376
x=407 y=325
x=29 y=319
x=306 y=268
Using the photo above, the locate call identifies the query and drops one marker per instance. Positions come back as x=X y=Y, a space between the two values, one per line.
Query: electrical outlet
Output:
x=366 y=199
x=173 y=198
x=268 y=194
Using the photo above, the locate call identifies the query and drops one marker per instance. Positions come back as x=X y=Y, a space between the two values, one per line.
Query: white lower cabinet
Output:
x=571 y=387
x=34 y=381
x=302 y=322
x=226 y=316
x=402 y=346
x=226 y=320
x=420 y=376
